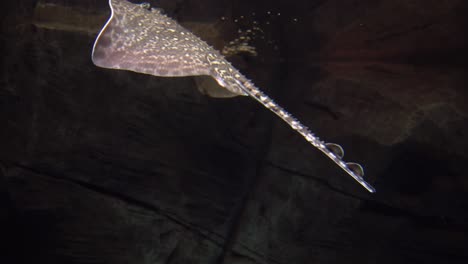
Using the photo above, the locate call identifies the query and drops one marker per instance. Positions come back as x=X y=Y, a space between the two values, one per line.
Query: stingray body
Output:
x=142 y=39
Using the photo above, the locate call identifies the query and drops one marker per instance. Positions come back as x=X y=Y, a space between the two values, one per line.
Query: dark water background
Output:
x=105 y=166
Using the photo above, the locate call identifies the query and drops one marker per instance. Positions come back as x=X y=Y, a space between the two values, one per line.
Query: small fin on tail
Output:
x=335 y=149
x=356 y=168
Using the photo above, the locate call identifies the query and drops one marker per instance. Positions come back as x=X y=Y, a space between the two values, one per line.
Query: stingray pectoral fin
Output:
x=102 y=54
x=144 y=40
x=110 y=49
x=335 y=149
x=209 y=86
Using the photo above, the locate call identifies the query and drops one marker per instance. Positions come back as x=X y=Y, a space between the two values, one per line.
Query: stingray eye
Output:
x=145 y=5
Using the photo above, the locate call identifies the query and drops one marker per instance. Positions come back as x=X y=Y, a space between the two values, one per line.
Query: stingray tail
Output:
x=333 y=151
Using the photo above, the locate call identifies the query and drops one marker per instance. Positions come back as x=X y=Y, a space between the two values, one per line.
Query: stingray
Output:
x=142 y=39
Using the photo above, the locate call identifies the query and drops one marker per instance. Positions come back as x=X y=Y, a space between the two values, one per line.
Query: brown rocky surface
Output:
x=103 y=166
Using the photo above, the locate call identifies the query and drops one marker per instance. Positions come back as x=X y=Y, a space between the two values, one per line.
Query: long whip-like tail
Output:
x=333 y=151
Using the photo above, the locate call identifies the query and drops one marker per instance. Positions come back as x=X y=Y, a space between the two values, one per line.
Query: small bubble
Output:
x=295 y=19
x=242 y=17
x=269 y=12
x=223 y=18
x=236 y=20
x=279 y=14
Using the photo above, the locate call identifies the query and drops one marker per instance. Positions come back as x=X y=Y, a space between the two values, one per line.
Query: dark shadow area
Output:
x=112 y=166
